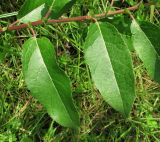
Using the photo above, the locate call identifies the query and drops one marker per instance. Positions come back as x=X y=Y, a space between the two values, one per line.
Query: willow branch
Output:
x=65 y=20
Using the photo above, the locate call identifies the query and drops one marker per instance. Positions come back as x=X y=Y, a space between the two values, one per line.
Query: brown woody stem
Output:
x=65 y=20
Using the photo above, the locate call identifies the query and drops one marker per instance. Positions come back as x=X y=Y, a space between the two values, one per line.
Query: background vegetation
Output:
x=22 y=118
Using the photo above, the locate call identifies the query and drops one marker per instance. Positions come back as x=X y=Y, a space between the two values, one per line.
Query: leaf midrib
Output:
x=53 y=84
x=111 y=65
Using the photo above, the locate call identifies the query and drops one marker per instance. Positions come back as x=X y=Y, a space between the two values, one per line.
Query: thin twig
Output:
x=33 y=32
x=112 y=2
x=14 y=23
x=48 y=14
x=73 y=19
x=121 y=11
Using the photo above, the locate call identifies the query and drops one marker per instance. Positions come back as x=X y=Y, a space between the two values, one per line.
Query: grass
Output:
x=22 y=118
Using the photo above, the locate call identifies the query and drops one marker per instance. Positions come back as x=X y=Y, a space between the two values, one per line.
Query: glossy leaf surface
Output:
x=110 y=64
x=34 y=10
x=47 y=82
x=146 y=50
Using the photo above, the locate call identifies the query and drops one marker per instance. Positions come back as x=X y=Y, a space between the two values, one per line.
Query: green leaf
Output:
x=32 y=10
x=60 y=6
x=110 y=64
x=152 y=32
x=128 y=40
x=47 y=82
x=35 y=10
x=123 y=24
x=146 y=50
